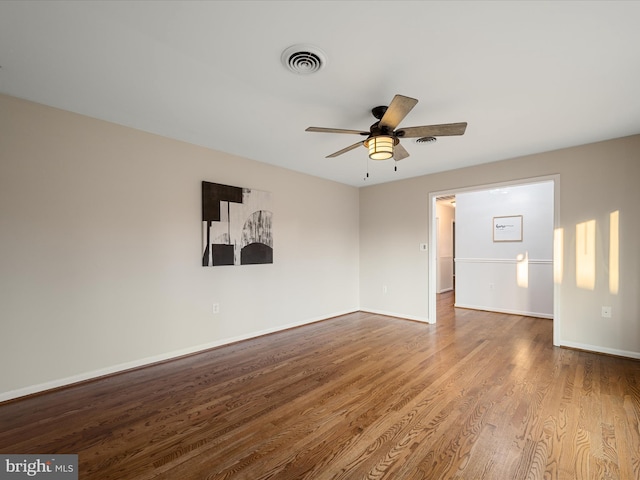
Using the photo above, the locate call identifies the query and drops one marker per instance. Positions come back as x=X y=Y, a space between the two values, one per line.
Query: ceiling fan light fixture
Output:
x=380 y=147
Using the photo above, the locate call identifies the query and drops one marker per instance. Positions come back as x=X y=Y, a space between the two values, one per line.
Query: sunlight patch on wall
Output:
x=522 y=270
x=558 y=255
x=586 y=255
x=614 y=253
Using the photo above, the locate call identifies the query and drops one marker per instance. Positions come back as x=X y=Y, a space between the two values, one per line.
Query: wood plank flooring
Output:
x=478 y=396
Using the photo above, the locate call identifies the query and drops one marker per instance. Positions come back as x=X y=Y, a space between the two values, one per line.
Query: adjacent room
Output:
x=322 y=240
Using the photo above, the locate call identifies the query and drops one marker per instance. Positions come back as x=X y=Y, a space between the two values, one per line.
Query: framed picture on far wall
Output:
x=507 y=229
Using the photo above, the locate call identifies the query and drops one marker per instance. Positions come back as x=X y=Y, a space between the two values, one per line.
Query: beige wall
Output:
x=100 y=234
x=100 y=228
x=595 y=180
x=508 y=277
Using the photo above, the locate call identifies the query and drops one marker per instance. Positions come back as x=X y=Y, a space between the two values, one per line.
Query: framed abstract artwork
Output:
x=236 y=226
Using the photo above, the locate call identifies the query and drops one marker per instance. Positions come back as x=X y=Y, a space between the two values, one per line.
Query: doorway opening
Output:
x=445 y=243
x=466 y=271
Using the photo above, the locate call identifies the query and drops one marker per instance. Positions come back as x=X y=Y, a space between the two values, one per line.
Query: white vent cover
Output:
x=303 y=59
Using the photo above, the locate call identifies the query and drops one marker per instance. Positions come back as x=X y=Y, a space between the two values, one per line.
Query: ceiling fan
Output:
x=383 y=140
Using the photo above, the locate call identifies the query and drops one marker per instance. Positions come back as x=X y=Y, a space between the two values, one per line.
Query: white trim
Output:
x=599 y=349
x=504 y=260
x=144 y=362
x=504 y=310
x=431 y=267
x=397 y=315
x=556 y=286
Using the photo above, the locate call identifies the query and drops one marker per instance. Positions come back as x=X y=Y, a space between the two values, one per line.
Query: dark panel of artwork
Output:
x=221 y=254
x=256 y=253
x=236 y=226
x=212 y=196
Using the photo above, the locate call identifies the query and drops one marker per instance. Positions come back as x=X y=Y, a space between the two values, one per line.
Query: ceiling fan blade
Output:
x=446 y=129
x=335 y=130
x=399 y=152
x=399 y=107
x=344 y=150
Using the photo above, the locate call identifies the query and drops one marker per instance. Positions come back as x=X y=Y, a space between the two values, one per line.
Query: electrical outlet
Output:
x=423 y=247
x=492 y=286
x=216 y=308
x=384 y=289
x=606 y=312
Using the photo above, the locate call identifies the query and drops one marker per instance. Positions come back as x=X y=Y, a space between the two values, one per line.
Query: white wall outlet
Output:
x=606 y=312
x=216 y=308
x=492 y=286
x=423 y=247
x=384 y=289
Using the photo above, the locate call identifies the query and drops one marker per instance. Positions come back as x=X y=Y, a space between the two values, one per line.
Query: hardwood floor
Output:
x=478 y=396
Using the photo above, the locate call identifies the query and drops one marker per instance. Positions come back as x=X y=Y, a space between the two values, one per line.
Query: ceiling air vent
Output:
x=303 y=59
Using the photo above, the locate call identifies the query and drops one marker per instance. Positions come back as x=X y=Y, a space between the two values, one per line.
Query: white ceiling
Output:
x=526 y=76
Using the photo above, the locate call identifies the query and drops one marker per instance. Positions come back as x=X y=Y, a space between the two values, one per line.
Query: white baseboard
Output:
x=398 y=315
x=143 y=362
x=599 y=349
x=504 y=310
x=32 y=389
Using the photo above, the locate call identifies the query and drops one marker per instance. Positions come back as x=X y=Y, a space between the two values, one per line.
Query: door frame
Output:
x=557 y=319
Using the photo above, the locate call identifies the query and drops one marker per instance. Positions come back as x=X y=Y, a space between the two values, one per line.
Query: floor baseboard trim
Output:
x=397 y=315
x=149 y=361
x=505 y=310
x=602 y=350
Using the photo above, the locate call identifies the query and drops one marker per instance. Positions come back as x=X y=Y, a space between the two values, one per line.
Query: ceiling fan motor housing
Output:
x=378 y=112
x=377 y=131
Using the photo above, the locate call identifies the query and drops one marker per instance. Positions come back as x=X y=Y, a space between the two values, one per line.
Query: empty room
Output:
x=319 y=240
